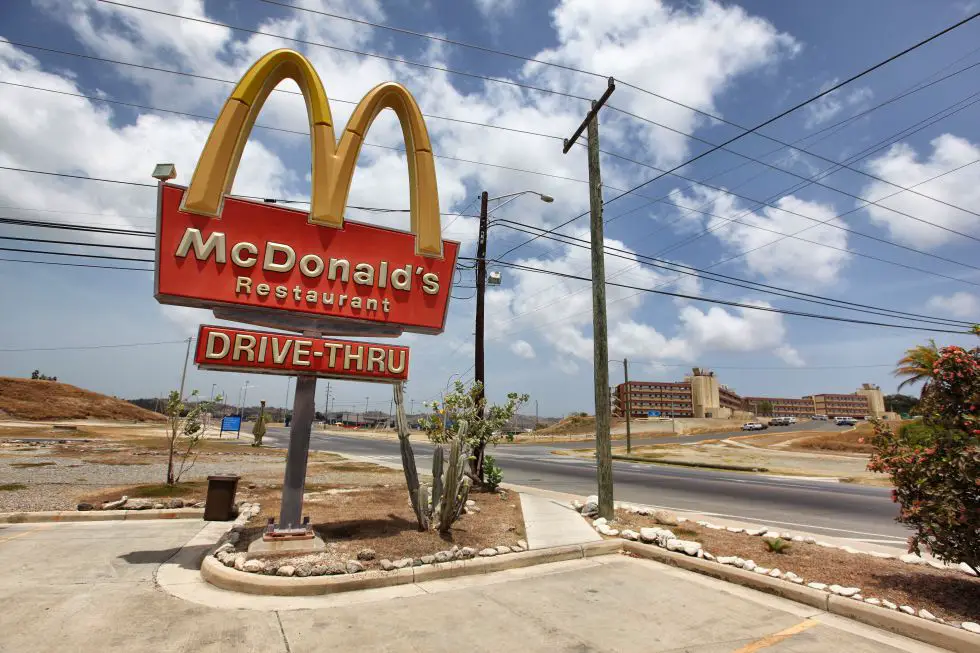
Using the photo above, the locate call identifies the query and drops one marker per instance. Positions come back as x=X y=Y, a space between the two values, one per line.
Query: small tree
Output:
x=258 y=431
x=186 y=427
x=765 y=408
x=464 y=405
x=936 y=479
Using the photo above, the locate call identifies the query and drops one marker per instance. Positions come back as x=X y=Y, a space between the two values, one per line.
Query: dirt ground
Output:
x=47 y=400
x=352 y=518
x=951 y=595
x=100 y=462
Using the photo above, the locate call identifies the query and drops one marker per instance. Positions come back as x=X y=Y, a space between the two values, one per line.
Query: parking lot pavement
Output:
x=88 y=587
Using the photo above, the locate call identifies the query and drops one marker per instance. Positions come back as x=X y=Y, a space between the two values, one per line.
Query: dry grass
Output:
x=12 y=487
x=46 y=400
x=952 y=595
x=189 y=491
x=848 y=441
x=353 y=518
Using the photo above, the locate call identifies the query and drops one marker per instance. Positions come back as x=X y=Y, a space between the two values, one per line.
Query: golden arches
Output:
x=333 y=163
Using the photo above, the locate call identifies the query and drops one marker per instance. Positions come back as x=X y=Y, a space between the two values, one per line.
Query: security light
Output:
x=164 y=171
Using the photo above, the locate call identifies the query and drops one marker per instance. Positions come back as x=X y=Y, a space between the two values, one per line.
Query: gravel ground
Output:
x=57 y=482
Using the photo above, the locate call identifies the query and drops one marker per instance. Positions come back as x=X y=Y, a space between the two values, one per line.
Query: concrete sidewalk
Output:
x=549 y=522
x=90 y=587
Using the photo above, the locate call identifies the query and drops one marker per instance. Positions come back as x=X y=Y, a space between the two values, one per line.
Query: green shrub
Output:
x=492 y=474
x=777 y=545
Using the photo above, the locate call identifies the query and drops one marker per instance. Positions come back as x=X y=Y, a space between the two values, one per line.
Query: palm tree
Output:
x=917 y=364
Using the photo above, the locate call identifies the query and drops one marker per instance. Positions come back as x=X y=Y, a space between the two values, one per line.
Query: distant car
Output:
x=845 y=421
x=821 y=418
x=779 y=421
x=753 y=426
x=792 y=420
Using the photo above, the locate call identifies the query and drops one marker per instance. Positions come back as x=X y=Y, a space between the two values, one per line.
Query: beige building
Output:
x=701 y=395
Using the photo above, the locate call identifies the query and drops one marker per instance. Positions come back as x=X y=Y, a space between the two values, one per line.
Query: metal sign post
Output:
x=297 y=455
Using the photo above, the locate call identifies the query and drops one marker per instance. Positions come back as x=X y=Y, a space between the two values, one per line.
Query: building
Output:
x=701 y=395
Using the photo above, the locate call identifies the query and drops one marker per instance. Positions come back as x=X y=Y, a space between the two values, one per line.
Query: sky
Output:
x=674 y=62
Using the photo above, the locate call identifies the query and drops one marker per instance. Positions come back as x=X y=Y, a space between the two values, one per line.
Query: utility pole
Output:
x=326 y=405
x=289 y=381
x=183 y=375
x=535 y=414
x=600 y=336
x=479 y=374
x=391 y=408
x=241 y=408
x=629 y=405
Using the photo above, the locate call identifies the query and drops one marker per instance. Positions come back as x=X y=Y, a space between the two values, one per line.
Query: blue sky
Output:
x=743 y=62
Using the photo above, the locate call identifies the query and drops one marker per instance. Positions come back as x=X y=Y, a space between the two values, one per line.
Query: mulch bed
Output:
x=350 y=519
x=951 y=595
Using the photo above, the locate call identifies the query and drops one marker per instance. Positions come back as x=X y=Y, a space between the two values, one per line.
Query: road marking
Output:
x=33 y=530
x=775 y=638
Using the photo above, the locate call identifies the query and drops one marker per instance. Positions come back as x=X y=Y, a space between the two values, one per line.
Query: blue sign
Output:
x=231 y=423
x=653 y=413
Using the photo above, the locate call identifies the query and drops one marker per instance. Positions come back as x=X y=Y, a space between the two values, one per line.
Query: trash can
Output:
x=220 y=502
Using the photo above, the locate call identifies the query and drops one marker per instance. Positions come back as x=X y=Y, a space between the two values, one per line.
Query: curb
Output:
x=228 y=578
x=99 y=515
x=684 y=463
x=946 y=637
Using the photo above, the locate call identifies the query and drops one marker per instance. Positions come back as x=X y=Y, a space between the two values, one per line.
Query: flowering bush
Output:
x=937 y=482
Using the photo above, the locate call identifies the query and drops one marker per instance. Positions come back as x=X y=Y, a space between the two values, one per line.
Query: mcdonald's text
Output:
x=259 y=258
x=264 y=352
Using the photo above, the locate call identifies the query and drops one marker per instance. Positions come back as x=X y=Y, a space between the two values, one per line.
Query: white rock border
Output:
x=665 y=539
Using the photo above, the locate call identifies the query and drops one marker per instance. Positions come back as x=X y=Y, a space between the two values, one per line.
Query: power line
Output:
x=73 y=254
x=131 y=344
x=688 y=270
x=70 y=242
x=769 y=121
x=41 y=224
x=712 y=300
x=76 y=265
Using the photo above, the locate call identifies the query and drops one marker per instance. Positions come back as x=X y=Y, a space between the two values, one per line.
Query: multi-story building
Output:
x=700 y=395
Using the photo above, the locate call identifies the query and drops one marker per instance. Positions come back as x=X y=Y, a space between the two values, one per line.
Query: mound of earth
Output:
x=31 y=399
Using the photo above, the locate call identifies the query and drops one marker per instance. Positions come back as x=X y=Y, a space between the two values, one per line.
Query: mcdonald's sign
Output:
x=270 y=265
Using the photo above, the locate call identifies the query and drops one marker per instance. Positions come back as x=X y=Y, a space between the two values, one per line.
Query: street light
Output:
x=481 y=279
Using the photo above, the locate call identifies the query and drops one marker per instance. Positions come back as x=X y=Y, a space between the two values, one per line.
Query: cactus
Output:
x=455 y=483
x=418 y=494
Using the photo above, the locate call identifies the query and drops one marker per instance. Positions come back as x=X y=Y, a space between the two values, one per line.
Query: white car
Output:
x=845 y=421
x=752 y=426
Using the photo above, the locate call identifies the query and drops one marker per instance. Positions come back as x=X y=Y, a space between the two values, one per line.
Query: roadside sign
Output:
x=232 y=423
x=265 y=264
x=653 y=413
x=264 y=352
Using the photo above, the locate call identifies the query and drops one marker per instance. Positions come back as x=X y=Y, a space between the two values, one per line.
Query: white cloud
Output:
x=790 y=261
x=490 y=8
x=790 y=356
x=522 y=348
x=959 y=305
x=902 y=165
x=827 y=107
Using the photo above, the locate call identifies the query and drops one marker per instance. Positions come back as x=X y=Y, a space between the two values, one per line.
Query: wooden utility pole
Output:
x=628 y=407
x=479 y=374
x=600 y=336
x=183 y=375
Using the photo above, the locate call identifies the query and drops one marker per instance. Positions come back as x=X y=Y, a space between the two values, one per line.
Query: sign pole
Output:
x=629 y=407
x=294 y=482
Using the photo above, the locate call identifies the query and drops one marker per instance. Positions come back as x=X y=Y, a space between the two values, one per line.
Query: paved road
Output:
x=839 y=509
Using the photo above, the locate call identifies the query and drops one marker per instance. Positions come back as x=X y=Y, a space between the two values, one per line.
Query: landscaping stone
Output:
x=748 y=565
x=649 y=535
x=516 y=549
x=970 y=627
x=354 y=567
x=844 y=591
x=826 y=545
x=889 y=605
x=468 y=552
x=912 y=559
x=401 y=564
x=366 y=554
x=600 y=521
x=604 y=529
x=85 y=506
x=502 y=549
x=115 y=505
x=727 y=560
x=387 y=565
x=470 y=503
x=665 y=517
x=286 y=570
x=925 y=614
x=227 y=546
x=577 y=505
x=873 y=601
x=775 y=573
x=715 y=527
x=799 y=538
x=488 y=552
x=732 y=529
x=337 y=568
x=858 y=597
x=233 y=537
x=762 y=570
x=817 y=586
x=240 y=560
x=935 y=564
x=304 y=570
x=443 y=556
x=757 y=531
x=907 y=609
x=522 y=544
x=428 y=560
x=253 y=566
x=176 y=503
x=643 y=512
x=966 y=569
x=879 y=554
x=810 y=540
x=229 y=561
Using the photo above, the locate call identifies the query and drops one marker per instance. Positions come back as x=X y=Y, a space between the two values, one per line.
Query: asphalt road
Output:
x=835 y=509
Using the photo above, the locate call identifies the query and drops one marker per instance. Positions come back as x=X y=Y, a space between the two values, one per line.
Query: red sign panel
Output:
x=232 y=349
x=266 y=264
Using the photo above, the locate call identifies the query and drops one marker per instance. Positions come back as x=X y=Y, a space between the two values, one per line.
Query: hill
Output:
x=43 y=400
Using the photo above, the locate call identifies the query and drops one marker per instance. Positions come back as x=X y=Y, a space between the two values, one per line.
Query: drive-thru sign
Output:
x=313 y=272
